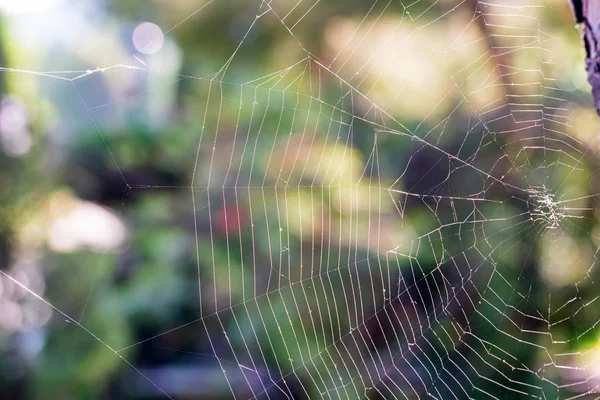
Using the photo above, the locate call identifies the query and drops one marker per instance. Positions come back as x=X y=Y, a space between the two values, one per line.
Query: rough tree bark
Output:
x=587 y=13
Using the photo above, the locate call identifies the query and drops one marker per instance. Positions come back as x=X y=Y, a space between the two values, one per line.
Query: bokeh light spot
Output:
x=148 y=38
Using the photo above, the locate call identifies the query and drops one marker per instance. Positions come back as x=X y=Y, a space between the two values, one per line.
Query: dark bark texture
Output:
x=587 y=13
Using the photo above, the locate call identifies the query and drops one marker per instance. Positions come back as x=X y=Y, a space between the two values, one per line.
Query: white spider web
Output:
x=418 y=284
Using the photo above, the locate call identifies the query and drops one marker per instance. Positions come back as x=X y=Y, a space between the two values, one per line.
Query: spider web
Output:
x=386 y=257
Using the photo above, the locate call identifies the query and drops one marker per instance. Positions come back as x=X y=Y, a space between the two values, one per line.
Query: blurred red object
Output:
x=230 y=219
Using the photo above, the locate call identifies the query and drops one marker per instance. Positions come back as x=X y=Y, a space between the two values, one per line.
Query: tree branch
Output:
x=587 y=13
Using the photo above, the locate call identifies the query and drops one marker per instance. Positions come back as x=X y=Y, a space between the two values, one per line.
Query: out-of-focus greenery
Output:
x=261 y=190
